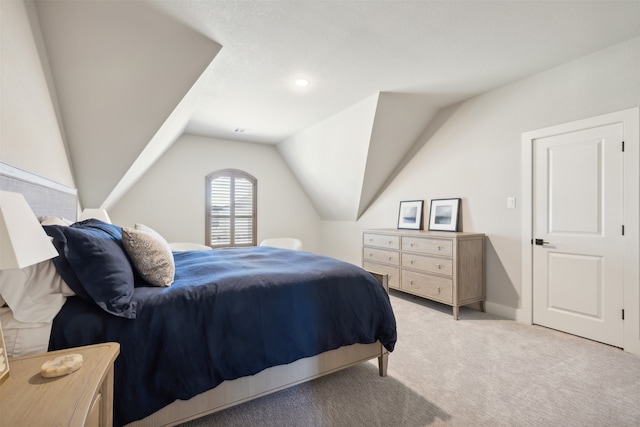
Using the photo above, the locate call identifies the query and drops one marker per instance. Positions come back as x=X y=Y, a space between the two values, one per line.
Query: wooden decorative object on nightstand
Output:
x=81 y=398
x=442 y=266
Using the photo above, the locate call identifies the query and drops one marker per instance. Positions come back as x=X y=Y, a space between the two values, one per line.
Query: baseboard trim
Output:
x=506 y=312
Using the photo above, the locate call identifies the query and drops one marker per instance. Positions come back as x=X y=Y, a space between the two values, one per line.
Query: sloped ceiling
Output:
x=131 y=76
x=345 y=161
x=120 y=70
x=329 y=159
x=400 y=120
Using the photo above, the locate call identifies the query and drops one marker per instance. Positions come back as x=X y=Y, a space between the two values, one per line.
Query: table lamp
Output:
x=23 y=243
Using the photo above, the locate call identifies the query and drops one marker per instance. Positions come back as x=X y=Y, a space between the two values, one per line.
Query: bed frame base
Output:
x=231 y=393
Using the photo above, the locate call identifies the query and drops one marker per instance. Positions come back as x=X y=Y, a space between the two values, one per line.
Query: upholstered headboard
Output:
x=46 y=197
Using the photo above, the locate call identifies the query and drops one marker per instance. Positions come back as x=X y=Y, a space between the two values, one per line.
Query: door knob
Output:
x=541 y=242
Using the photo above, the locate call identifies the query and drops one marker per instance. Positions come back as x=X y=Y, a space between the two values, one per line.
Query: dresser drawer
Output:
x=428 y=245
x=427 y=263
x=379 y=255
x=433 y=287
x=381 y=240
x=393 y=273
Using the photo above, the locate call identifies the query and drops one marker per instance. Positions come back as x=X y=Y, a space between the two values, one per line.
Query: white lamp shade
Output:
x=23 y=242
x=100 y=214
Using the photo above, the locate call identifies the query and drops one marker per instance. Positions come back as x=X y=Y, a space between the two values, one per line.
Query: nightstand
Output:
x=82 y=398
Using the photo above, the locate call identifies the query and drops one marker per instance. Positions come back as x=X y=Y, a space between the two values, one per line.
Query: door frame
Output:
x=630 y=119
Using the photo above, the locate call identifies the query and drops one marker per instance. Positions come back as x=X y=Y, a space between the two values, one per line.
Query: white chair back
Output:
x=283 y=242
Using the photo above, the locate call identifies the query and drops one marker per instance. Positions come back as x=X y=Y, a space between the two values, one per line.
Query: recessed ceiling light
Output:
x=302 y=82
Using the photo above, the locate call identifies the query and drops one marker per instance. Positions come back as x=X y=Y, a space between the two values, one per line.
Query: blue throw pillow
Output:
x=93 y=263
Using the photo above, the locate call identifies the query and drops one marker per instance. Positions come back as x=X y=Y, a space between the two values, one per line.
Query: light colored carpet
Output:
x=478 y=371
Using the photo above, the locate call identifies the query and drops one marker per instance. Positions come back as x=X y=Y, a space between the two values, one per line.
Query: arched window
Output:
x=231 y=208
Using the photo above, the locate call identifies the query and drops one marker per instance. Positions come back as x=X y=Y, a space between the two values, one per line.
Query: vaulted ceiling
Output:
x=131 y=76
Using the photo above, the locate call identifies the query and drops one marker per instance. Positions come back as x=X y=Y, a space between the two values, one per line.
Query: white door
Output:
x=578 y=247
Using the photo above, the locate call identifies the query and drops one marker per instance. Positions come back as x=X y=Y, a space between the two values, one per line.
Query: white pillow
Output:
x=22 y=339
x=150 y=254
x=36 y=293
x=55 y=220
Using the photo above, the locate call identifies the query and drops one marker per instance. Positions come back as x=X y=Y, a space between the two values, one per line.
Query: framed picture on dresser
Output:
x=410 y=215
x=444 y=214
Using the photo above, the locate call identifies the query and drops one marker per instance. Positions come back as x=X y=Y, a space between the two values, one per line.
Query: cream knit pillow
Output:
x=150 y=254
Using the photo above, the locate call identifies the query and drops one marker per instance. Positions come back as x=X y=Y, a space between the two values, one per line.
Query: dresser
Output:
x=447 y=267
x=82 y=398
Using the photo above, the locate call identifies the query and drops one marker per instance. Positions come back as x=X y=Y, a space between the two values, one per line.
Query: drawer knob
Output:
x=411 y=244
x=411 y=282
x=438 y=289
x=411 y=261
x=371 y=240
x=389 y=258
x=370 y=254
x=390 y=242
x=438 y=265
x=439 y=248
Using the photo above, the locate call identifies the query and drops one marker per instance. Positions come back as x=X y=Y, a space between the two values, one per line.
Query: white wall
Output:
x=476 y=155
x=171 y=196
x=29 y=134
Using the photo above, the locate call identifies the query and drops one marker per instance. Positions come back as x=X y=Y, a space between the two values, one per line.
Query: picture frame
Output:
x=4 y=359
x=444 y=214
x=410 y=214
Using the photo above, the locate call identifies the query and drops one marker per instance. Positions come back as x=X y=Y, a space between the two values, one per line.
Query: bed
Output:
x=234 y=324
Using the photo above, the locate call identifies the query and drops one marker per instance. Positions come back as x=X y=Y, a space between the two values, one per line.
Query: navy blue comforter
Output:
x=230 y=313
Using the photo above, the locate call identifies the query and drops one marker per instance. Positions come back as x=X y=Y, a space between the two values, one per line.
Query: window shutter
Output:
x=243 y=194
x=231 y=215
x=219 y=209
